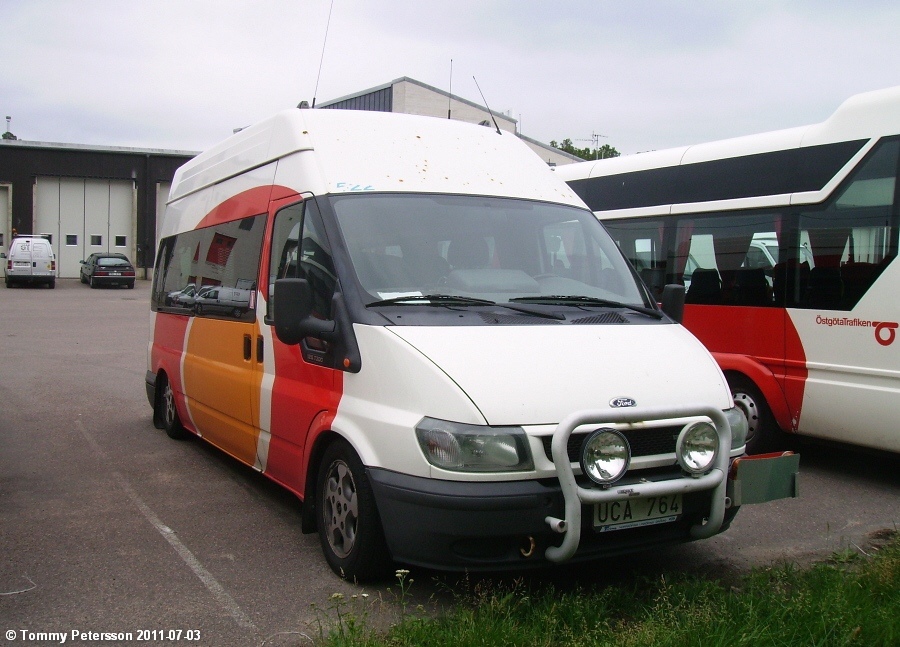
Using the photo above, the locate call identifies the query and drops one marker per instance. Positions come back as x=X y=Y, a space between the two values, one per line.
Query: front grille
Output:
x=644 y=442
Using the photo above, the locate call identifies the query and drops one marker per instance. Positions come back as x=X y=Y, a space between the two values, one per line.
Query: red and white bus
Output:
x=786 y=244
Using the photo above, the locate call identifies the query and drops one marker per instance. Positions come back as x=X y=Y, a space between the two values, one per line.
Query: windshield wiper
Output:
x=432 y=299
x=455 y=300
x=579 y=300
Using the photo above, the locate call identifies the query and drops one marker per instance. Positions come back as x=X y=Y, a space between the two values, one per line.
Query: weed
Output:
x=851 y=599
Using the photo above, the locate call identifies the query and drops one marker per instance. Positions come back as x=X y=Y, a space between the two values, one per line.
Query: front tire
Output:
x=349 y=526
x=763 y=433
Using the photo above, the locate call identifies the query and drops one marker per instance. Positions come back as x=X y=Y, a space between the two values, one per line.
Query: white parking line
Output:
x=210 y=582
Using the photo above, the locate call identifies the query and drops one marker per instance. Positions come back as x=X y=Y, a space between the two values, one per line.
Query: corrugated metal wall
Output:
x=378 y=101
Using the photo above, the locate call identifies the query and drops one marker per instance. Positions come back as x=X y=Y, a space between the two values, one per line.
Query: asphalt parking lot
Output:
x=107 y=525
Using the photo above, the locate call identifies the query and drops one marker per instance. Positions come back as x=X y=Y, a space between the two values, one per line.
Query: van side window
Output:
x=301 y=250
x=222 y=256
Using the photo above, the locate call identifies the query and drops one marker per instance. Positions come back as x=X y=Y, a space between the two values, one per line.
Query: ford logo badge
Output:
x=618 y=403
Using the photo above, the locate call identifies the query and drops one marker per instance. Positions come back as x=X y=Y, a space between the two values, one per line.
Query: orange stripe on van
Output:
x=219 y=383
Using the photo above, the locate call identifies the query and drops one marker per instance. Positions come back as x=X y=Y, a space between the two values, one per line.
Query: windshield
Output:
x=495 y=249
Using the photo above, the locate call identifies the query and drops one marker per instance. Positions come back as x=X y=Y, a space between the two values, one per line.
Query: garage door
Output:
x=85 y=215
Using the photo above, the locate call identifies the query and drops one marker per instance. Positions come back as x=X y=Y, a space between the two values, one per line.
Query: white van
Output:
x=443 y=354
x=234 y=301
x=31 y=259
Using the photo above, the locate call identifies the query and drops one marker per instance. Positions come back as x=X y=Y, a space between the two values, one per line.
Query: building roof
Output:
x=92 y=148
x=457 y=98
x=430 y=88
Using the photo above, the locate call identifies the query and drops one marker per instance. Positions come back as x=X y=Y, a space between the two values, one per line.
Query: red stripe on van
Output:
x=251 y=202
x=169 y=334
x=305 y=398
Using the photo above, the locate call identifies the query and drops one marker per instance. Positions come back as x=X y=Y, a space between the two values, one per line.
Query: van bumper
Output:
x=14 y=276
x=493 y=526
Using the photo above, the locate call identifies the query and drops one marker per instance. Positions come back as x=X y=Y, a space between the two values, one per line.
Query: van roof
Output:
x=32 y=237
x=377 y=151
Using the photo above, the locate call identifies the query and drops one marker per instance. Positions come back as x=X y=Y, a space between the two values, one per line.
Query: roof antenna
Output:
x=449 y=94
x=491 y=112
x=322 y=59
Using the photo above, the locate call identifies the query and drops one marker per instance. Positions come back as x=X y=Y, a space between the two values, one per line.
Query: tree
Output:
x=587 y=152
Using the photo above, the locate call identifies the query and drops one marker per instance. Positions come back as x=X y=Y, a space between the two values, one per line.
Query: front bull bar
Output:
x=575 y=495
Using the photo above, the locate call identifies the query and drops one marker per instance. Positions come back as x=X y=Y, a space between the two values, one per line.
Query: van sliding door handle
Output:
x=247 y=346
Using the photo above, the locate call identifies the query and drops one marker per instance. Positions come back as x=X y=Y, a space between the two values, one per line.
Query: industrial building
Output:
x=88 y=198
x=109 y=199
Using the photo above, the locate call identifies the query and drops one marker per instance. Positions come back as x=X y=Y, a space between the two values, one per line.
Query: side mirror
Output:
x=293 y=312
x=673 y=301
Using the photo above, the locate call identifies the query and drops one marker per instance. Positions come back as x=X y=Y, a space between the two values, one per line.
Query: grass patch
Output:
x=852 y=599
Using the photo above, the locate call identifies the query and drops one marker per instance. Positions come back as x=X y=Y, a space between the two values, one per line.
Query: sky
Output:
x=641 y=74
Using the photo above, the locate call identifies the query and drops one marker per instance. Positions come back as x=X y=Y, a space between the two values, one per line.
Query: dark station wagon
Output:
x=107 y=269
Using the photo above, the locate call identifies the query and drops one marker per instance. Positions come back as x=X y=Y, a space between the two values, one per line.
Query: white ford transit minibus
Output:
x=441 y=352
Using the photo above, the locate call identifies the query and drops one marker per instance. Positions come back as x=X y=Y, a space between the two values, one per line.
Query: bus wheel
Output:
x=167 y=412
x=763 y=434
x=349 y=526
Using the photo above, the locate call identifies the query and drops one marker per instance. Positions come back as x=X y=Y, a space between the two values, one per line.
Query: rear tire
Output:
x=349 y=525
x=93 y=284
x=167 y=413
x=763 y=433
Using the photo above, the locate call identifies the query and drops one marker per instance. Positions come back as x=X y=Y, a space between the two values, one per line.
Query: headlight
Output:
x=605 y=455
x=739 y=427
x=697 y=447
x=474 y=448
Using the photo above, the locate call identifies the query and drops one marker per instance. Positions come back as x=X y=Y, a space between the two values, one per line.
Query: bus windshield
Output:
x=494 y=249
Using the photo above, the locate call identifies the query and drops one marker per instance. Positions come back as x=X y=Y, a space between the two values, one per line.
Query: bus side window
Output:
x=849 y=243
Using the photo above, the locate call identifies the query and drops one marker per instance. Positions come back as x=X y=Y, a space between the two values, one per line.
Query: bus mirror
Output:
x=293 y=312
x=673 y=301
